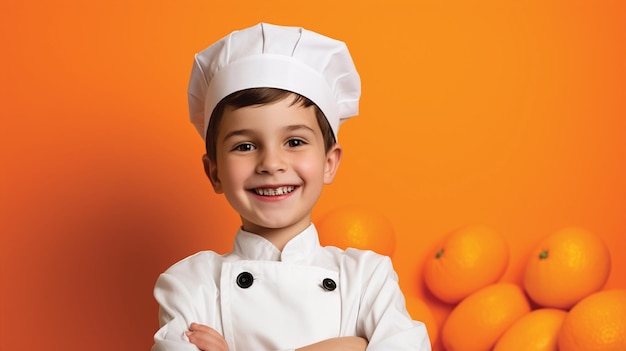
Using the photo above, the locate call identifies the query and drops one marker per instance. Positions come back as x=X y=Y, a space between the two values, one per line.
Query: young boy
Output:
x=269 y=101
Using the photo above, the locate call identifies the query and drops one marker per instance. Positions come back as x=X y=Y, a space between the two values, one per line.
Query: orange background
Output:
x=509 y=114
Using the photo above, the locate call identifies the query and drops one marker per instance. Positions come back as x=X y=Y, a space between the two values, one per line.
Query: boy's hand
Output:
x=206 y=338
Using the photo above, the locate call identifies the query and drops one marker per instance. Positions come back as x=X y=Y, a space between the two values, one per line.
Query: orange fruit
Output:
x=469 y=258
x=596 y=323
x=535 y=331
x=565 y=267
x=357 y=227
x=419 y=311
x=478 y=321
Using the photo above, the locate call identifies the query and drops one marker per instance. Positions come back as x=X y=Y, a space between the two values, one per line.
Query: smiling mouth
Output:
x=274 y=191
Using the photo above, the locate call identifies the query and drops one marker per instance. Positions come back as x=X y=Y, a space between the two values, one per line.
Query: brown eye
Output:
x=295 y=142
x=244 y=147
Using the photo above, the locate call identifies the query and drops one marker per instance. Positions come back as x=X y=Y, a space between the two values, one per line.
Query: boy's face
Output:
x=271 y=165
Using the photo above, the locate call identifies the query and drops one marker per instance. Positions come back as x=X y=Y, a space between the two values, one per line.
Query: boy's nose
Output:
x=271 y=162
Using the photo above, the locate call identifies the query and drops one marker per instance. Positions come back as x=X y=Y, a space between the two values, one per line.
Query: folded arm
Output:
x=207 y=339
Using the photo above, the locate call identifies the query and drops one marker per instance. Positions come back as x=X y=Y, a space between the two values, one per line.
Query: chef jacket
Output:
x=262 y=299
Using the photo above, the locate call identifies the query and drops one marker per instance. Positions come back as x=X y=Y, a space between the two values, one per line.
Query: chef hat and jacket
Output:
x=257 y=297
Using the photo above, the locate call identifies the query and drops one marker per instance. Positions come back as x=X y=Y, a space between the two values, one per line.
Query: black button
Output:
x=244 y=280
x=329 y=284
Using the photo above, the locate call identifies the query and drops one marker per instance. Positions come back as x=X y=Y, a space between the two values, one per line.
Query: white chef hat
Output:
x=270 y=56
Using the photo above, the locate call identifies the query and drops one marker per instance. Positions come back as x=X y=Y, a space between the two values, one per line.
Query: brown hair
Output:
x=262 y=96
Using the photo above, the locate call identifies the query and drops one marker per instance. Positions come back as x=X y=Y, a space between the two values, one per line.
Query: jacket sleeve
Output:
x=382 y=314
x=175 y=315
x=186 y=293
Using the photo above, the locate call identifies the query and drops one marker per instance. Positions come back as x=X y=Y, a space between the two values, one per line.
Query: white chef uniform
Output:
x=261 y=299
x=258 y=297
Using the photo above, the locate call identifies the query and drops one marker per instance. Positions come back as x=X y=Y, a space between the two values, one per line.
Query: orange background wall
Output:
x=511 y=114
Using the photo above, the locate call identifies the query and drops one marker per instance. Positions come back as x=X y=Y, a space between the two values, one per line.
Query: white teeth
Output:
x=275 y=191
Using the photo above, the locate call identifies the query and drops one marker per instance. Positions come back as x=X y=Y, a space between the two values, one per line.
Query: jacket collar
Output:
x=250 y=246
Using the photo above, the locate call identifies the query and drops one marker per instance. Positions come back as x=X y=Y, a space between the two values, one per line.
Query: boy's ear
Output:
x=333 y=158
x=210 y=168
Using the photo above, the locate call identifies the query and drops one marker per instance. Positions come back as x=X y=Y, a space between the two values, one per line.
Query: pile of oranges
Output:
x=560 y=304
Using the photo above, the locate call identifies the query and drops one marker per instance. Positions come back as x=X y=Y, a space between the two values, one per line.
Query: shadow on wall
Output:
x=92 y=268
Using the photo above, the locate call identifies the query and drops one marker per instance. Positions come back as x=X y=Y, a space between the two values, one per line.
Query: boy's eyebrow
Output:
x=289 y=128
x=299 y=126
x=238 y=132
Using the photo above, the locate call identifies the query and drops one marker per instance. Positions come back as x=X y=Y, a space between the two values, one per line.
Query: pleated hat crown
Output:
x=270 y=56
